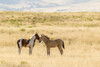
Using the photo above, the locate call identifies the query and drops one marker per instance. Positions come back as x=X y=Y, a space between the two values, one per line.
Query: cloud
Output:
x=19 y=5
x=9 y=1
x=90 y=6
x=60 y=2
x=52 y=5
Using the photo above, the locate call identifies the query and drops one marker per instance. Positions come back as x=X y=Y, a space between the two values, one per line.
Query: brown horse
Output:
x=27 y=43
x=52 y=43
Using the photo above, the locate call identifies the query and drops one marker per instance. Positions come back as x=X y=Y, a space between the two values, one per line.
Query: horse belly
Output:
x=28 y=45
x=53 y=44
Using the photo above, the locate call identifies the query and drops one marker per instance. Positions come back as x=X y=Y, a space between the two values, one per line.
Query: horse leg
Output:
x=19 y=50
x=30 y=50
x=48 y=51
x=60 y=49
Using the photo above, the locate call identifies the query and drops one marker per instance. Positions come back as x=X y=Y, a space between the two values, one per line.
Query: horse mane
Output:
x=34 y=35
x=42 y=35
x=47 y=37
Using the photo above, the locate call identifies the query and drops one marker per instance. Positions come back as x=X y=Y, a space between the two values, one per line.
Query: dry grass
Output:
x=81 y=37
x=80 y=19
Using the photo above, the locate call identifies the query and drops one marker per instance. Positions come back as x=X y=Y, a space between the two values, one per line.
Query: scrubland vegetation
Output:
x=79 y=30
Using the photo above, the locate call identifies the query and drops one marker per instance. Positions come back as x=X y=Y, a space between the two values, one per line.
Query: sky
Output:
x=50 y=5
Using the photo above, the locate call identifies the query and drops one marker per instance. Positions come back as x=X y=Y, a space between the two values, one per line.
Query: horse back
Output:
x=58 y=41
x=25 y=42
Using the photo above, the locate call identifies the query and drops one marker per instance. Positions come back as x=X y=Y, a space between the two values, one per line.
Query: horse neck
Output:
x=33 y=38
x=46 y=40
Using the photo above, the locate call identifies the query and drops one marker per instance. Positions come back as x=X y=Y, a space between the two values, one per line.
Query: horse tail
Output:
x=63 y=44
x=18 y=44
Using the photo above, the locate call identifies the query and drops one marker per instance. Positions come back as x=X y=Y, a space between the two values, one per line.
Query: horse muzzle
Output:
x=39 y=40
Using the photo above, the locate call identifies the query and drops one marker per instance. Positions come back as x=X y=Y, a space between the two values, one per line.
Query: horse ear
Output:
x=36 y=33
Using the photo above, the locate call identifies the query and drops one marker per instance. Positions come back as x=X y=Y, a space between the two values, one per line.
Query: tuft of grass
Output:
x=2 y=62
x=91 y=25
x=22 y=29
x=29 y=26
x=23 y=62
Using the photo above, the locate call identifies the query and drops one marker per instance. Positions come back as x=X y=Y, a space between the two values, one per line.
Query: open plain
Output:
x=80 y=32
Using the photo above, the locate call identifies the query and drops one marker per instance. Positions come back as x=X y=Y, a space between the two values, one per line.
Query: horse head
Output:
x=37 y=37
x=43 y=37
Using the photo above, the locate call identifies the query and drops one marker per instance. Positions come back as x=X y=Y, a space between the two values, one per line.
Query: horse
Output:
x=27 y=43
x=52 y=43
